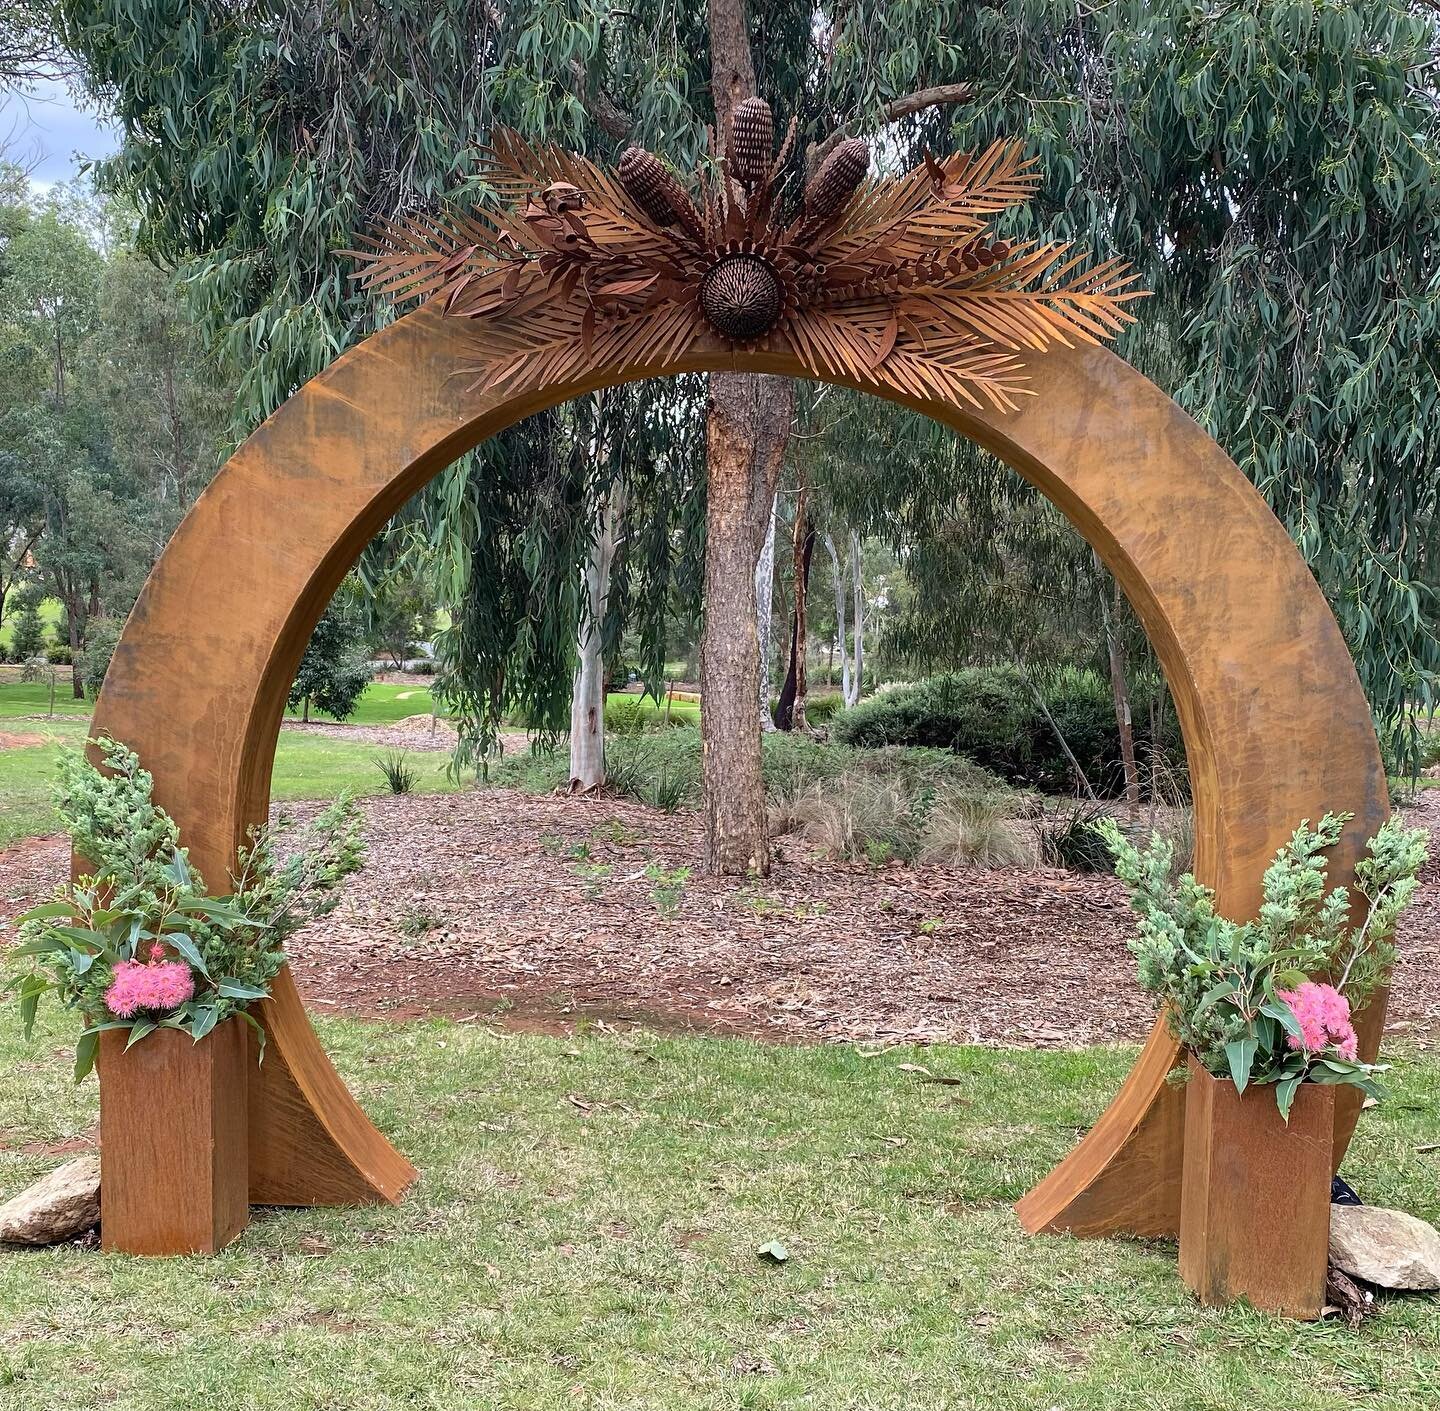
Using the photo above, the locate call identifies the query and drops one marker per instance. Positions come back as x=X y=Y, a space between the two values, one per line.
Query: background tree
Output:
x=335 y=668
x=370 y=109
x=111 y=412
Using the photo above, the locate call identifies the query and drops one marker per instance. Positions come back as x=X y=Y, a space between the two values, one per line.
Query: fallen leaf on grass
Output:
x=926 y=1076
x=774 y=1251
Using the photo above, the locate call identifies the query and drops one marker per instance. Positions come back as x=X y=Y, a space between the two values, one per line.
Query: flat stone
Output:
x=57 y=1207
x=1387 y=1248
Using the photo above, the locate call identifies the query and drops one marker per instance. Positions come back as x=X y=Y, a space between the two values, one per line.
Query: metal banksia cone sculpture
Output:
x=899 y=284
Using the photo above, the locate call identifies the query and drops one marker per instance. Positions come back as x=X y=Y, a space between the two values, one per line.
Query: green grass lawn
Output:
x=382 y=704
x=306 y=767
x=22 y=699
x=585 y=1233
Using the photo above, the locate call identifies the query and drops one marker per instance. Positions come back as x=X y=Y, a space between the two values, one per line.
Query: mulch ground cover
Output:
x=538 y=912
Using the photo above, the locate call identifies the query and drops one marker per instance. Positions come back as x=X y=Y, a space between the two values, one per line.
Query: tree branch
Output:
x=944 y=95
x=609 y=116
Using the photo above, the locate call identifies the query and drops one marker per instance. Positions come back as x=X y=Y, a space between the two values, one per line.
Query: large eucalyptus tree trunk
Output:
x=764 y=610
x=747 y=425
x=587 y=699
x=842 y=608
x=857 y=680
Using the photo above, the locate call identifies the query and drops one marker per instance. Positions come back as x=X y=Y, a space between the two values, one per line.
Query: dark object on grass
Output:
x=1346 y=1298
x=1342 y=1193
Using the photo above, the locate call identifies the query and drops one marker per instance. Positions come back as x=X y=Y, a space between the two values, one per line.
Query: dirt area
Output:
x=414 y=732
x=533 y=912
x=15 y=740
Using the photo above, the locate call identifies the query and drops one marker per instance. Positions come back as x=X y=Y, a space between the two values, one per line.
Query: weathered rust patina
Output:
x=1276 y=726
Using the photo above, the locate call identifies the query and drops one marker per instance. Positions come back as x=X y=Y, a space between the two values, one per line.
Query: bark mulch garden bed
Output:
x=536 y=912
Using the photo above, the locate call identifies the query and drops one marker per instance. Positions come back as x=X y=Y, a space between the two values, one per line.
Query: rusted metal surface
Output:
x=1276 y=726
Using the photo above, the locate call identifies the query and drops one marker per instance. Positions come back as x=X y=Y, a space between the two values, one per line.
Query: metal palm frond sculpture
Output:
x=894 y=283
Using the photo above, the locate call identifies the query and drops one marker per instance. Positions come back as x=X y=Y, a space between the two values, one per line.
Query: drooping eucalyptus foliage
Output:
x=260 y=137
x=1273 y=167
x=1270 y=166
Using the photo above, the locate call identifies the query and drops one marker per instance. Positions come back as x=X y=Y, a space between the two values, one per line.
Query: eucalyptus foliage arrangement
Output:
x=138 y=944
x=1269 y=1001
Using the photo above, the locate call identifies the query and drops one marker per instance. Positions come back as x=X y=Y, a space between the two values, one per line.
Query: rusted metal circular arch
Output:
x=1275 y=724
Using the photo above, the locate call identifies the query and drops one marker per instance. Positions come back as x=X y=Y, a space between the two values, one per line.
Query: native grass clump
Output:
x=1270 y=1001
x=137 y=943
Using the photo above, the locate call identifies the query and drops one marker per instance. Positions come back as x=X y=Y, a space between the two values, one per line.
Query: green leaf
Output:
x=189 y=950
x=226 y=917
x=1285 y=1091
x=237 y=989
x=30 y=993
x=48 y=912
x=1284 y=1016
x=259 y=1028
x=1224 y=990
x=178 y=871
x=85 y=1048
x=206 y=1017
x=41 y=945
x=138 y=1032
x=774 y=1251
x=1240 y=1054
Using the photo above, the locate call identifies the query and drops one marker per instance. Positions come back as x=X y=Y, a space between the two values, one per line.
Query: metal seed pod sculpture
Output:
x=896 y=284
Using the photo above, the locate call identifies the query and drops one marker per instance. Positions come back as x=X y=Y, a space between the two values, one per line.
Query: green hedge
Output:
x=989 y=715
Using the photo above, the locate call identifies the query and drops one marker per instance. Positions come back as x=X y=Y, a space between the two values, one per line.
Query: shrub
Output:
x=975 y=830
x=395 y=766
x=27 y=633
x=1070 y=839
x=990 y=715
x=101 y=638
x=821 y=709
x=425 y=666
x=59 y=655
x=853 y=816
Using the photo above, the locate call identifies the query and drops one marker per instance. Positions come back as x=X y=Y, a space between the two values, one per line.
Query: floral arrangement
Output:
x=1270 y=1001
x=138 y=944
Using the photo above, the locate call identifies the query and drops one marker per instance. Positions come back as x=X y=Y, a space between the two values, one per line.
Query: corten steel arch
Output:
x=1275 y=724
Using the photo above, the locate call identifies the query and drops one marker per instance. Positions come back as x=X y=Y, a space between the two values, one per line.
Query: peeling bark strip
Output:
x=764 y=611
x=587 y=701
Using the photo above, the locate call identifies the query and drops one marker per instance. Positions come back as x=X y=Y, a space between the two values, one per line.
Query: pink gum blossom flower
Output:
x=159 y=987
x=1323 y=1014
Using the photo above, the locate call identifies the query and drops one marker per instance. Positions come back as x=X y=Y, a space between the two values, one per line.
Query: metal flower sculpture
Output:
x=897 y=284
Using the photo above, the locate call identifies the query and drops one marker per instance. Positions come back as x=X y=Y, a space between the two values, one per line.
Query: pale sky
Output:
x=48 y=133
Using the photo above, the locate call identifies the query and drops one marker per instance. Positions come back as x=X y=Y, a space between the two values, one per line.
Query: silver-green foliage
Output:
x=1219 y=980
x=143 y=893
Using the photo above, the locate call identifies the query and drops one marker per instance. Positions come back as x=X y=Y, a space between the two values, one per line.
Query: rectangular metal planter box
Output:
x=174 y=1146
x=1255 y=1195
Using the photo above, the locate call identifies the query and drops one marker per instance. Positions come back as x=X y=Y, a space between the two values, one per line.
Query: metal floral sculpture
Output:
x=897 y=284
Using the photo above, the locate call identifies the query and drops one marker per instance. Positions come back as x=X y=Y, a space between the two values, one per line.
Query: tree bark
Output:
x=1120 y=693
x=790 y=712
x=842 y=608
x=747 y=424
x=764 y=612
x=857 y=680
x=742 y=471
x=587 y=697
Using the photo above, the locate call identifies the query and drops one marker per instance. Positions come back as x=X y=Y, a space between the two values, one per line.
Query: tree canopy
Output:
x=1270 y=164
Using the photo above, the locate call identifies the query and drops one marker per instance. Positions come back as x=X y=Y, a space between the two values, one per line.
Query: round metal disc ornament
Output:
x=741 y=298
